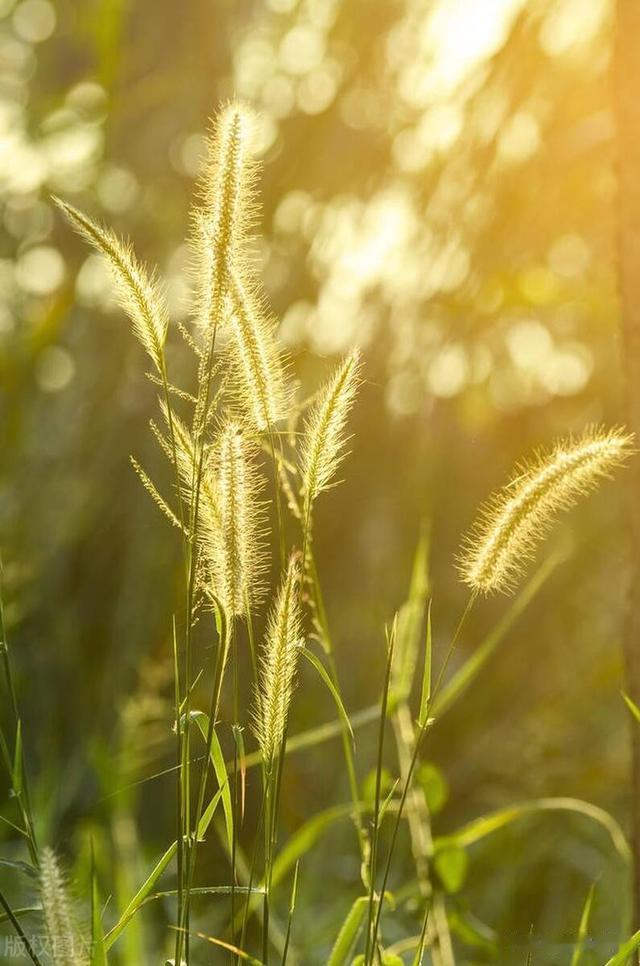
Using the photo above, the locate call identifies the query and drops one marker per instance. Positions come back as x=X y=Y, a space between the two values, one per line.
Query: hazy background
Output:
x=438 y=187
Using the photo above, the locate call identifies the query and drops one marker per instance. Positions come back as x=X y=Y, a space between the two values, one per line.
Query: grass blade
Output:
x=140 y=896
x=488 y=824
x=632 y=706
x=349 y=932
x=145 y=889
x=583 y=928
x=229 y=946
x=306 y=837
x=621 y=958
x=98 y=950
x=292 y=908
x=410 y=622
x=320 y=668
x=11 y=916
x=417 y=961
x=425 y=696
x=220 y=768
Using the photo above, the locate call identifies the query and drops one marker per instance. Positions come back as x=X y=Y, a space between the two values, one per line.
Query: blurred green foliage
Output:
x=438 y=187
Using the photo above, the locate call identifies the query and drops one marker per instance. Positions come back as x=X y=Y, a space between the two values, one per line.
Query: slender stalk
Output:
x=347 y=746
x=252 y=870
x=370 y=940
x=407 y=783
x=236 y=726
x=268 y=819
x=20 y=931
x=225 y=631
x=273 y=785
x=204 y=392
x=179 y=803
x=22 y=796
x=423 y=935
x=419 y=820
x=276 y=486
x=292 y=906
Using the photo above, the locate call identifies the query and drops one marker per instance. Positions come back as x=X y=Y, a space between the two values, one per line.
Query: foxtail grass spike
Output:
x=278 y=662
x=139 y=294
x=152 y=490
x=223 y=221
x=66 y=945
x=232 y=522
x=516 y=519
x=260 y=378
x=324 y=430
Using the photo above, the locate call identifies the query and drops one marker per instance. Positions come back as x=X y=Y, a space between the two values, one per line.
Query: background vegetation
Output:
x=438 y=188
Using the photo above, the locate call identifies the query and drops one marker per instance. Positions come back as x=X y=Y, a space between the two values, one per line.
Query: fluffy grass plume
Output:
x=517 y=518
x=278 y=662
x=138 y=293
x=66 y=946
x=223 y=220
x=152 y=490
x=260 y=379
x=324 y=430
x=231 y=521
x=230 y=524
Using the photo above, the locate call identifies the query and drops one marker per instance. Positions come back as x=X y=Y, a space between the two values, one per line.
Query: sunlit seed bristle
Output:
x=139 y=294
x=260 y=379
x=223 y=221
x=152 y=490
x=324 y=430
x=278 y=662
x=517 y=518
x=66 y=946
x=231 y=527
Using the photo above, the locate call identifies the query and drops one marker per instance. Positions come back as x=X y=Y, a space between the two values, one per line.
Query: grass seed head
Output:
x=259 y=375
x=232 y=521
x=278 y=662
x=67 y=947
x=139 y=294
x=324 y=430
x=516 y=519
x=222 y=222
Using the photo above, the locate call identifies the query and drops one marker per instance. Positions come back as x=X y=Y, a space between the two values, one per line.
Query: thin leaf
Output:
x=223 y=945
x=223 y=890
x=318 y=735
x=320 y=668
x=292 y=909
x=16 y=777
x=140 y=896
x=473 y=932
x=348 y=934
x=145 y=889
x=417 y=961
x=576 y=959
x=217 y=760
x=16 y=828
x=387 y=801
x=11 y=916
x=622 y=956
x=306 y=837
x=632 y=706
x=480 y=828
x=410 y=622
x=21 y=911
x=425 y=696
x=22 y=867
x=98 y=950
